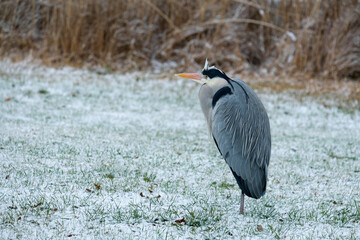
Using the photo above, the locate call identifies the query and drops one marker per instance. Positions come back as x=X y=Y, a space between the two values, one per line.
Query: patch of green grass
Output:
x=333 y=155
x=149 y=177
x=118 y=215
x=43 y=91
x=226 y=185
x=110 y=176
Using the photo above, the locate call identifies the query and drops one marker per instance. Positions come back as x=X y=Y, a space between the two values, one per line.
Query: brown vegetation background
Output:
x=308 y=38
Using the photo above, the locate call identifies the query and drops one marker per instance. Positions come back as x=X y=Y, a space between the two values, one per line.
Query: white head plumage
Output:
x=206 y=67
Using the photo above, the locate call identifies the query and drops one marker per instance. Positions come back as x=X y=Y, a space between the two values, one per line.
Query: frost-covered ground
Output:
x=111 y=156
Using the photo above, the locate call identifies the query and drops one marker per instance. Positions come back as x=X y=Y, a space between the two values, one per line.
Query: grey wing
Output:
x=241 y=130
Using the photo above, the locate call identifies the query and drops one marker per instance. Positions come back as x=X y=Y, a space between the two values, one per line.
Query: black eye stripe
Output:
x=214 y=72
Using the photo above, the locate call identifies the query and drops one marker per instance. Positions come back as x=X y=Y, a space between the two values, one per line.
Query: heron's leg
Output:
x=242 y=203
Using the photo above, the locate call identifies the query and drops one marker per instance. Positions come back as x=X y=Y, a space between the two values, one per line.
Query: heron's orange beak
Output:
x=193 y=76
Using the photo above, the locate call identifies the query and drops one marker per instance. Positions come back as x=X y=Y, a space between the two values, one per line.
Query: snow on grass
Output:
x=104 y=156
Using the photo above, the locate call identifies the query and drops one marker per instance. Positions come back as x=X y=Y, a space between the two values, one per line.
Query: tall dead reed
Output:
x=308 y=37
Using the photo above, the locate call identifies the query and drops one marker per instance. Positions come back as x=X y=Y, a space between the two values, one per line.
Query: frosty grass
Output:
x=96 y=155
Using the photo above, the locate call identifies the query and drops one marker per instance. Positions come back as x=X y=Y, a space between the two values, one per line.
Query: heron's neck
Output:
x=206 y=94
x=217 y=83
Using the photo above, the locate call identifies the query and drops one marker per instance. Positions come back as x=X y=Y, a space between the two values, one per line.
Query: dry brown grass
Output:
x=237 y=35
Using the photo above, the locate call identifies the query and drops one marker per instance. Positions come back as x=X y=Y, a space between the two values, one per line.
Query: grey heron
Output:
x=239 y=125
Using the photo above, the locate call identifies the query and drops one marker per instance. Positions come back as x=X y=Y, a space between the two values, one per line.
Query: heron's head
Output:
x=207 y=74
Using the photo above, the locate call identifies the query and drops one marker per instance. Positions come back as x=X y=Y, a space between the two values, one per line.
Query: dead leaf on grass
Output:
x=179 y=221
